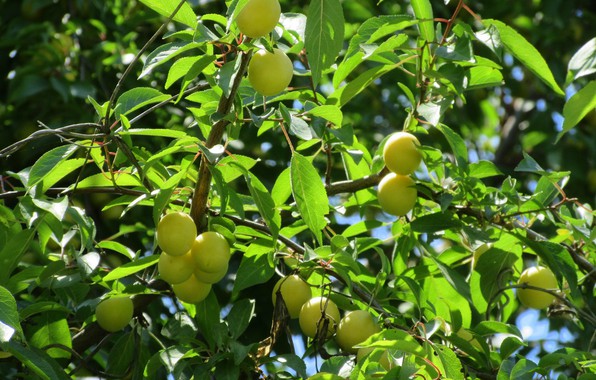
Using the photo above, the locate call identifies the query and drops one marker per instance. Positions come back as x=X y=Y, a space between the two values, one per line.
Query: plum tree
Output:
x=176 y=233
x=211 y=252
x=294 y=291
x=401 y=153
x=316 y=314
x=397 y=194
x=354 y=328
x=192 y=290
x=258 y=17
x=540 y=277
x=270 y=73
x=114 y=313
x=175 y=269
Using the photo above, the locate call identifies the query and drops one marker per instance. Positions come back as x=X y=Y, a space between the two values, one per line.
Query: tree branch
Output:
x=201 y=192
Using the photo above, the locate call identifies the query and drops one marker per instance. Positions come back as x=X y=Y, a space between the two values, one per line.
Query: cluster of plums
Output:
x=397 y=192
x=269 y=72
x=319 y=317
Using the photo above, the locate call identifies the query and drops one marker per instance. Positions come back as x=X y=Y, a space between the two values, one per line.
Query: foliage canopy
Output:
x=117 y=112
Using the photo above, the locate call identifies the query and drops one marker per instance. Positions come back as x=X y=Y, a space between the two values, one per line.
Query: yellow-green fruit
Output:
x=270 y=73
x=258 y=17
x=210 y=278
x=175 y=269
x=397 y=194
x=211 y=252
x=540 y=277
x=294 y=291
x=401 y=153
x=113 y=314
x=317 y=313
x=354 y=328
x=192 y=290
x=384 y=360
x=176 y=233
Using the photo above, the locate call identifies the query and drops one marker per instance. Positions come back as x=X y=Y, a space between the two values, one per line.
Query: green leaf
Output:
x=131 y=268
x=240 y=316
x=450 y=362
x=163 y=54
x=583 y=61
x=294 y=362
x=528 y=164
x=256 y=266
x=344 y=94
x=300 y=128
x=282 y=189
x=484 y=169
x=61 y=170
x=117 y=247
x=488 y=272
x=171 y=133
x=495 y=327
x=432 y=111
x=188 y=67
x=361 y=227
x=436 y=222
x=48 y=161
x=105 y=180
x=264 y=203
x=42 y=307
x=180 y=327
x=309 y=194
x=38 y=362
x=577 y=107
x=228 y=166
x=527 y=54
x=12 y=252
x=122 y=354
x=324 y=35
x=136 y=98
x=165 y=8
x=424 y=13
x=484 y=76
x=208 y=320
x=9 y=316
x=457 y=144
x=330 y=113
x=50 y=328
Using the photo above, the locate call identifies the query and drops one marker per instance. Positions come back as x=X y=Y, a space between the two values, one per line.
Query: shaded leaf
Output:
x=256 y=266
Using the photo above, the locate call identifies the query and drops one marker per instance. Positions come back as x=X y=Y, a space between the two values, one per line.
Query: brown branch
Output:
x=201 y=193
x=351 y=186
